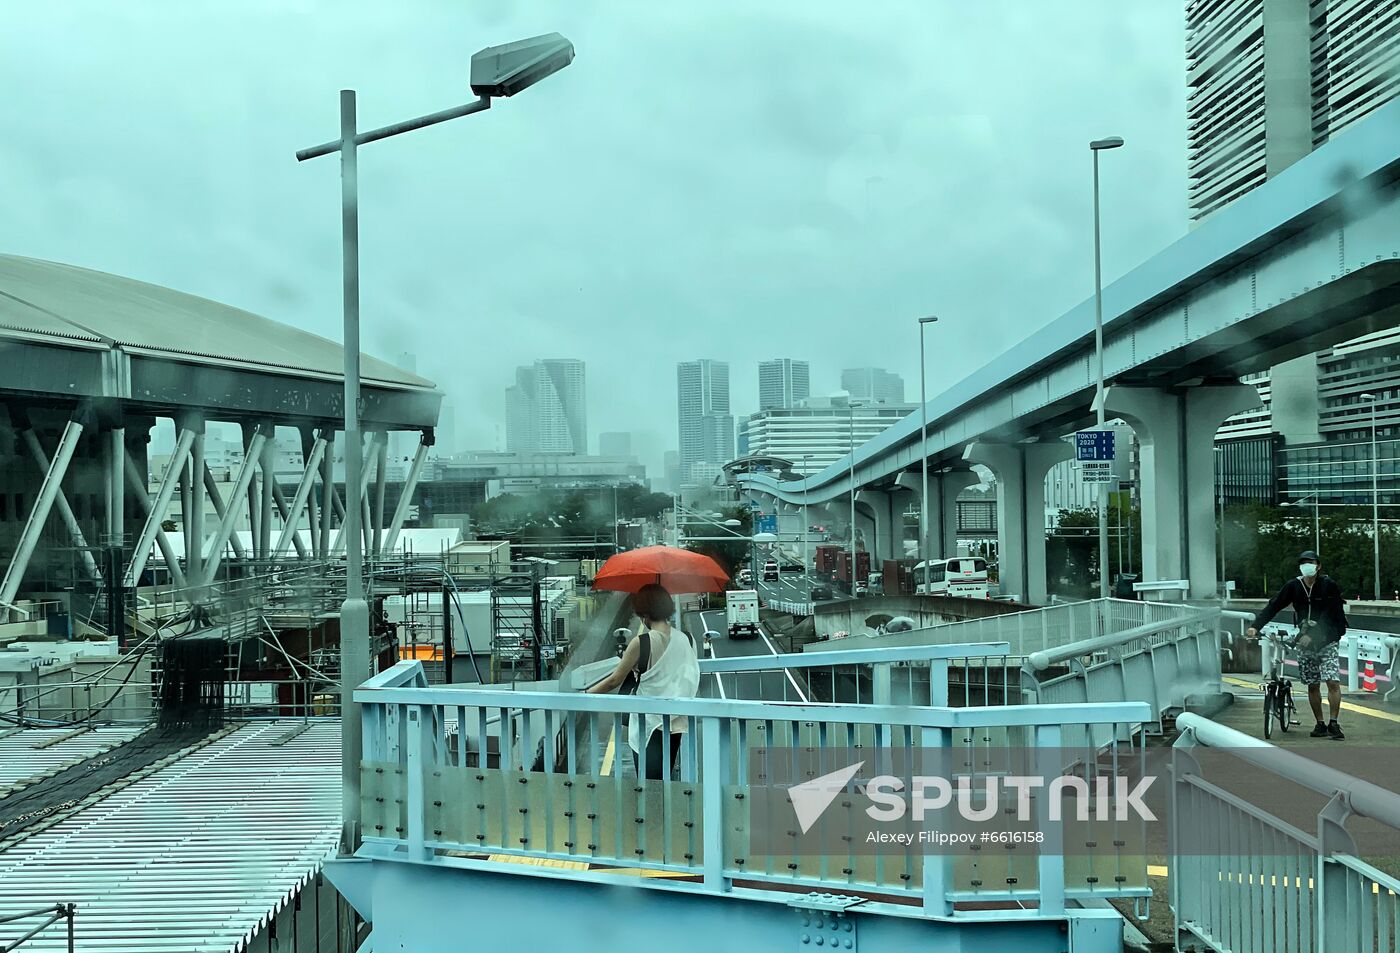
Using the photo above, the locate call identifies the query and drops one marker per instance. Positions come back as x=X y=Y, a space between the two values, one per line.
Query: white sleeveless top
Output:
x=674 y=673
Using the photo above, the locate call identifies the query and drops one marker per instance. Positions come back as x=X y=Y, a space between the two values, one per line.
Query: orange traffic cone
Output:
x=1368 y=677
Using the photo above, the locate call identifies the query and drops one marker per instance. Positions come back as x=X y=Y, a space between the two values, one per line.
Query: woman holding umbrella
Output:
x=666 y=667
x=661 y=655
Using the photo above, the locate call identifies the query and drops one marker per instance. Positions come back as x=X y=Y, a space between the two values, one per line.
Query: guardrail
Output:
x=1271 y=885
x=428 y=799
x=1159 y=663
x=1357 y=647
x=939 y=675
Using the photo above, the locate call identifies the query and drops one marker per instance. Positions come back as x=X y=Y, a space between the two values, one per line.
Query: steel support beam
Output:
x=174 y=474
x=365 y=474
x=65 y=512
x=194 y=521
x=39 y=514
x=381 y=470
x=292 y=516
x=327 y=493
x=284 y=511
x=140 y=491
x=406 y=497
x=240 y=488
x=211 y=486
x=266 y=467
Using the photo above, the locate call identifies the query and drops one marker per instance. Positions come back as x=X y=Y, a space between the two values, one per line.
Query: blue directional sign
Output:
x=755 y=505
x=1094 y=445
x=767 y=524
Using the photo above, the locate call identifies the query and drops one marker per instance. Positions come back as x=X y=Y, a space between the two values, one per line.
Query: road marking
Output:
x=1346 y=706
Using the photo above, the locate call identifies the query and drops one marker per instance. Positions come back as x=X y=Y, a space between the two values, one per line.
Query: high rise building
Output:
x=819 y=432
x=783 y=382
x=1269 y=81
x=706 y=425
x=873 y=383
x=616 y=443
x=546 y=408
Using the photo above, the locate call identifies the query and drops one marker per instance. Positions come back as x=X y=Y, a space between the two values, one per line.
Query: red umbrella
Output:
x=677 y=570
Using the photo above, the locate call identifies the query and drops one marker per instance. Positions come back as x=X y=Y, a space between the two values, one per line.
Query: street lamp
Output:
x=924 y=553
x=1375 y=498
x=851 y=415
x=1317 y=517
x=806 y=527
x=495 y=71
x=1095 y=147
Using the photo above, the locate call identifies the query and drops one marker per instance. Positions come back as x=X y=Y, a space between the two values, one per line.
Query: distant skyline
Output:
x=857 y=183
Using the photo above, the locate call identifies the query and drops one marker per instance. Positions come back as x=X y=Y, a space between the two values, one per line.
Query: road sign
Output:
x=766 y=524
x=755 y=506
x=1094 y=445
x=1096 y=471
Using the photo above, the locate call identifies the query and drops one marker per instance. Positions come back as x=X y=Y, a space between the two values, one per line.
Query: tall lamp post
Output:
x=495 y=72
x=1375 y=499
x=1095 y=147
x=851 y=416
x=924 y=553
x=806 y=526
x=1317 y=517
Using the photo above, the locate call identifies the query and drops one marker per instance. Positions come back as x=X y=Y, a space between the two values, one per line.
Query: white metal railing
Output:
x=434 y=796
x=1160 y=663
x=939 y=675
x=1267 y=884
x=1038 y=630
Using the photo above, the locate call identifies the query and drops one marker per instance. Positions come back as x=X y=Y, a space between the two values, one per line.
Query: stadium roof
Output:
x=87 y=334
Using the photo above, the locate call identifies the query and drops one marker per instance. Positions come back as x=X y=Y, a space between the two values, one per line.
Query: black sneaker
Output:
x=1321 y=730
x=1334 y=731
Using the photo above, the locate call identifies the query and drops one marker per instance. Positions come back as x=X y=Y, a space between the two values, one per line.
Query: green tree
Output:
x=1072 y=554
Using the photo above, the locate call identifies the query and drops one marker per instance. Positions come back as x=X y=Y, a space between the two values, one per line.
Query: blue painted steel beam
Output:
x=437 y=908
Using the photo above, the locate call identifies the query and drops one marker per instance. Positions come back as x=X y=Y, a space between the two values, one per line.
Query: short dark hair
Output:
x=653 y=603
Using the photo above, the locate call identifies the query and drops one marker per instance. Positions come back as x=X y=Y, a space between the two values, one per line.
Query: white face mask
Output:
x=1308 y=570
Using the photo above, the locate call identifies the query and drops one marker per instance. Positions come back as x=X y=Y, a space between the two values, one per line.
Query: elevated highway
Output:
x=1309 y=260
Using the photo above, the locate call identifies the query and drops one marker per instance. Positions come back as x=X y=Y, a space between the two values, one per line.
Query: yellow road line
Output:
x=1346 y=706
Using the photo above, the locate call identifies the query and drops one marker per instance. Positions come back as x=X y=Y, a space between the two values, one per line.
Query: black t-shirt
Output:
x=1321 y=602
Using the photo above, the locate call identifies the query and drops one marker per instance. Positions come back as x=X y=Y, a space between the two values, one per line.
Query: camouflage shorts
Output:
x=1320 y=666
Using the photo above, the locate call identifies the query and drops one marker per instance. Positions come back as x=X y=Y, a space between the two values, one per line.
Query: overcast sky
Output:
x=708 y=179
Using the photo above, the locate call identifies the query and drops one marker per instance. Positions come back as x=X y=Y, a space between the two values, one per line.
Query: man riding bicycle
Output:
x=1319 y=613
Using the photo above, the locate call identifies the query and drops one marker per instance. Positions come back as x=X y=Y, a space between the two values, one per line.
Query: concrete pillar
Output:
x=944 y=529
x=877 y=504
x=1176 y=440
x=1020 y=470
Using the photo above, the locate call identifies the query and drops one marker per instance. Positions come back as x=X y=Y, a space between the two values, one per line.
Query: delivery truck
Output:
x=741 y=611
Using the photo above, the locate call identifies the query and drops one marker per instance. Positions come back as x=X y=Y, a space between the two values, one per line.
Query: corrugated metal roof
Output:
x=65 y=303
x=194 y=857
x=21 y=760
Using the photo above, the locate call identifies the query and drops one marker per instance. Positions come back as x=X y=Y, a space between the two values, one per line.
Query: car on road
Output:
x=862 y=590
x=770 y=571
x=821 y=593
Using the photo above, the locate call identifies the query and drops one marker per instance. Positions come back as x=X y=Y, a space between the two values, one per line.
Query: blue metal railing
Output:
x=425 y=799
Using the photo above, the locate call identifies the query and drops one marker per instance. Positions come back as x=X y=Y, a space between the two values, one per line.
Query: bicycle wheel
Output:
x=1269 y=704
x=1285 y=708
